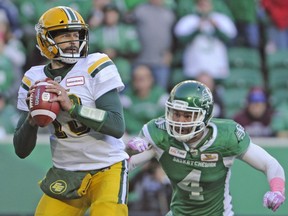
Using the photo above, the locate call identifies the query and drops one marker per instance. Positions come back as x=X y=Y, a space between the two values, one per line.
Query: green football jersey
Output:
x=199 y=176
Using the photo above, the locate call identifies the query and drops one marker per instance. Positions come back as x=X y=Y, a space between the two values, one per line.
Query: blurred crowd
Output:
x=157 y=43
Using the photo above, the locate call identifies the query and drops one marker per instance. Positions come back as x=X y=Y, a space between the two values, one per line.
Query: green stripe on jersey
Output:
x=25 y=86
x=98 y=69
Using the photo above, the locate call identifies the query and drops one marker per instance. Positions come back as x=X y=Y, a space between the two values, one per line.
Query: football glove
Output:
x=273 y=200
x=138 y=144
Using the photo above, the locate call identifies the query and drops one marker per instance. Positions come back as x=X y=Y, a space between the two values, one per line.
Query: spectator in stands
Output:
x=185 y=7
x=12 y=14
x=218 y=109
x=126 y=6
x=116 y=39
x=14 y=57
x=279 y=122
x=29 y=11
x=257 y=115
x=8 y=117
x=142 y=100
x=246 y=19
x=7 y=75
x=277 y=29
x=96 y=16
x=154 y=22
x=204 y=35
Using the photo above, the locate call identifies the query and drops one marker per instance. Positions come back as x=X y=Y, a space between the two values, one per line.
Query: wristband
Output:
x=277 y=184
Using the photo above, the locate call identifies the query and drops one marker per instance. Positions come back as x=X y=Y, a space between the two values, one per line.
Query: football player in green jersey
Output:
x=197 y=151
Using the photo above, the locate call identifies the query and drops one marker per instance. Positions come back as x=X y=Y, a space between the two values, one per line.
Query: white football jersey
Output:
x=75 y=146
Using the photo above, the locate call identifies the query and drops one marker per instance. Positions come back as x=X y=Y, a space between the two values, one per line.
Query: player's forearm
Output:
x=141 y=158
x=103 y=121
x=25 y=136
x=263 y=161
x=107 y=118
x=114 y=125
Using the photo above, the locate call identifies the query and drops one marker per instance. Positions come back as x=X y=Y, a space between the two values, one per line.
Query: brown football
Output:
x=43 y=111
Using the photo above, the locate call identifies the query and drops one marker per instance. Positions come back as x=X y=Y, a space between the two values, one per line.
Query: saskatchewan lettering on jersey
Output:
x=194 y=163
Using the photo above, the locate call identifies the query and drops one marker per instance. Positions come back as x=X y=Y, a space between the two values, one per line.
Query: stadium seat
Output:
x=243 y=78
x=279 y=96
x=278 y=79
x=278 y=59
x=234 y=99
x=243 y=57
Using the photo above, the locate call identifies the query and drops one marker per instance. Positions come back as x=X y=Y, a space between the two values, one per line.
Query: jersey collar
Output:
x=208 y=134
x=57 y=74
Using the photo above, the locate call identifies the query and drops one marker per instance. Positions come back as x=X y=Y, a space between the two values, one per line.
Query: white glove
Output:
x=273 y=200
x=138 y=144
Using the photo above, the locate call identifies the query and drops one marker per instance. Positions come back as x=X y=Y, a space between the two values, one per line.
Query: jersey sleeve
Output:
x=155 y=132
x=22 y=94
x=27 y=81
x=237 y=140
x=104 y=75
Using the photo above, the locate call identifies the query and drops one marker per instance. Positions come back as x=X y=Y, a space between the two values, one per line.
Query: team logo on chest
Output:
x=75 y=81
x=177 y=152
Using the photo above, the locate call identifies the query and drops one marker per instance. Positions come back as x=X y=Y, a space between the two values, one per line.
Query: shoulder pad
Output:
x=98 y=62
x=160 y=123
x=33 y=74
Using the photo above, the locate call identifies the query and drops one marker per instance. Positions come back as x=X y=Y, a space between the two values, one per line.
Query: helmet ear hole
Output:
x=46 y=48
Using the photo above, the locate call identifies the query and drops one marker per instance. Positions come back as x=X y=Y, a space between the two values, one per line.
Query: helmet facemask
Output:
x=194 y=120
x=71 y=58
x=188 y=110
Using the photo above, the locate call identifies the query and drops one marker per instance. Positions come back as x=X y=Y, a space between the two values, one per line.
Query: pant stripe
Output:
x=123 y=192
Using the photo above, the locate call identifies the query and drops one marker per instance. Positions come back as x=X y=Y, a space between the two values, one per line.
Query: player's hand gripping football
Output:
x=30 y=91
x=62 y=98
x=138 y=144
x=273 y=200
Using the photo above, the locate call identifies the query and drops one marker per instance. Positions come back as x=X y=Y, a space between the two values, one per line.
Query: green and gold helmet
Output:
x=56 y=20
x=194 y=102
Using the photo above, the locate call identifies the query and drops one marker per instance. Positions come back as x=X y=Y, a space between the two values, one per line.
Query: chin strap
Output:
x=71 y=58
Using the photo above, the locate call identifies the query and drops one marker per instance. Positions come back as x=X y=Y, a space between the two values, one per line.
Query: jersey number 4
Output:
x=191 y=183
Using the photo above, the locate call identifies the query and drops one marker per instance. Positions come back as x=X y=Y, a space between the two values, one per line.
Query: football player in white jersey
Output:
x=197 y=151
x=89 y=159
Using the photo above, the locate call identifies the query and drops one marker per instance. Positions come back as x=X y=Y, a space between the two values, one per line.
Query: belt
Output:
x=93 y=172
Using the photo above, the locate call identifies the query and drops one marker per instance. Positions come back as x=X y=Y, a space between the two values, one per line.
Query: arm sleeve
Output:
x=25 y=136
x=258 y=158
x=113 y=123
x=141 y=158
